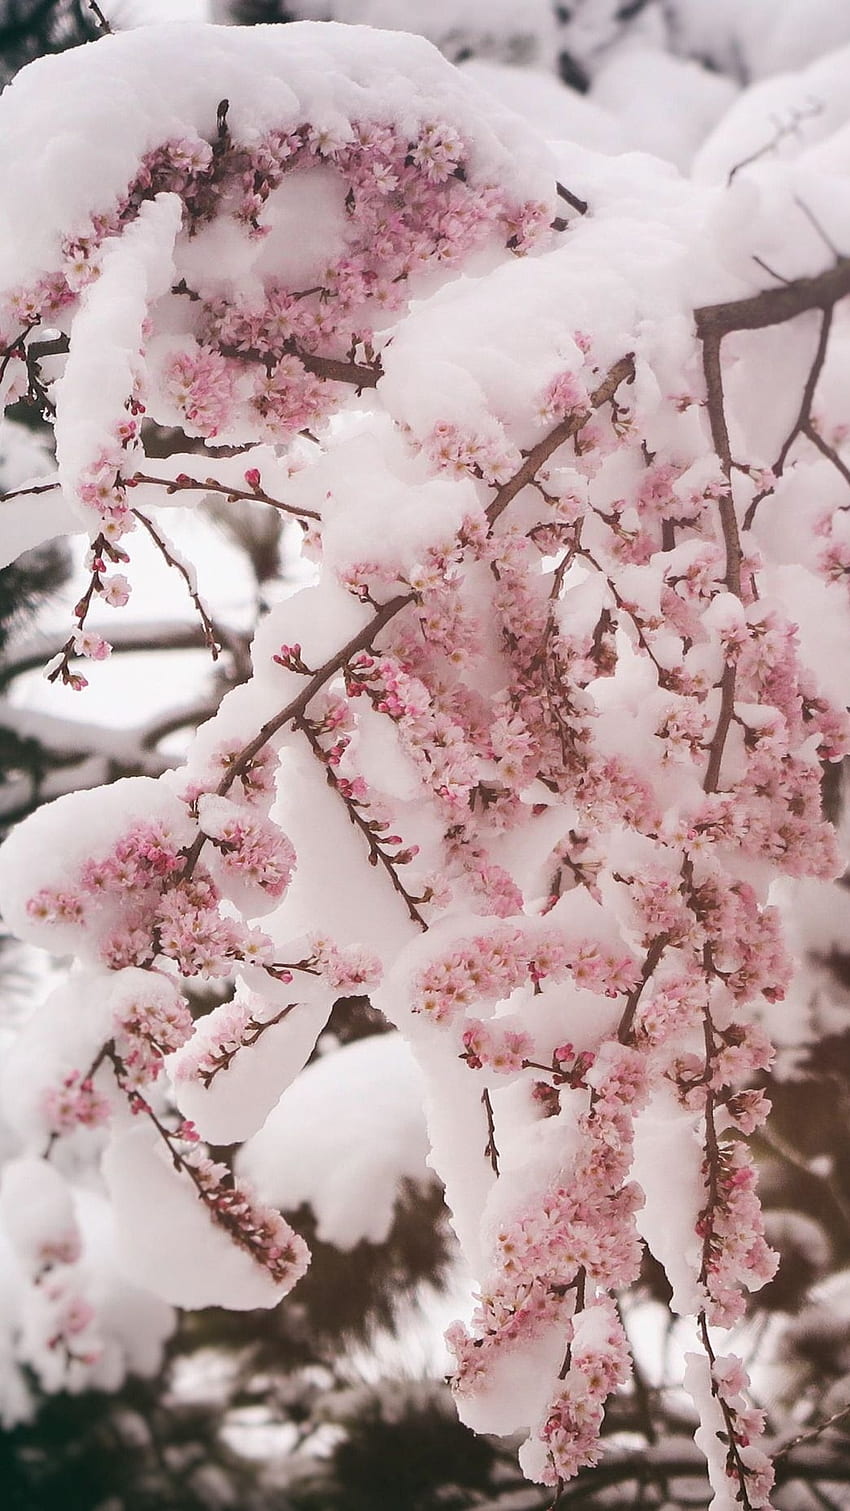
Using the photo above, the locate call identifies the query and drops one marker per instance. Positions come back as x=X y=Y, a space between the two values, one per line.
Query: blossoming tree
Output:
x=535 y=761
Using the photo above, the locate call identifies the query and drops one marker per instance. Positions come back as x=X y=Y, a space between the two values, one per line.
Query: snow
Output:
x=98 y=379
x=24 y=523
x=167 y=81
x=556 y=111
x=62 y=1035
x=38 y=1213
x=478 y=353
x=666 y=1138
x=165 y=1240
x=50 y=847
x=238 y=1101
x=480 y=26
x=343 y=1138
x=709 y=1434
x=662 y=104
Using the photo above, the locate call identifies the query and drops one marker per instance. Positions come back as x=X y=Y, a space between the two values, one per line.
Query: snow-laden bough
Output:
x=524 y=762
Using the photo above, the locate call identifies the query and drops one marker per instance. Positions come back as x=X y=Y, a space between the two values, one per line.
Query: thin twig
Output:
x=294 y=710
x=826 y=450
x=788 y=128
x=212 y=636
x=183 y=483
x=491 y=1151
x=811 y=1432
x=572 y=199
x=803 y=422
x=653 y=958
x=378 y=856
x=23 y=492
x=816 y=226
x=623 y=371
x=100 y=18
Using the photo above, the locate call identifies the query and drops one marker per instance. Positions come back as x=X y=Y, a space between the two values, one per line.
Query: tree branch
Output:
x=775 y=306
x=294 y=710
x=335 y=369
x=622 y=372
x=213 y=637
x=182 y=483
x=803 y=423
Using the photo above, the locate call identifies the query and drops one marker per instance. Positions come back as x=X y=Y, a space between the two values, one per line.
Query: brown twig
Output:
x=817 y=440
x=623 y=371
x=378 y=856
x=298 y=706
x=182 y=483
x=783 y=129
x=212 y=636
x=717 y=744
x=253 y=1030
x=775 y=306
x=653 y=959
x=811 y=1432
x=572 y=200
x=334 y=369
x=491 y=1151
x=803 y=423
x=24 y=492
x=100 y=18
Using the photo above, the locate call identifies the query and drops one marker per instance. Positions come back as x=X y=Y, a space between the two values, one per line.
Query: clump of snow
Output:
x=117 y=94
x=166 y=1242
x=343 y=1138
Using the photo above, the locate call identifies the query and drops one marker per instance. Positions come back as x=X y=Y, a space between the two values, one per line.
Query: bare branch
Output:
x=826 y=450
x=811 y=1433
x=802 y=423
x=774 y=306
x=491 y=1151
x=100 y=18
x=783 y=130
x=213 y=637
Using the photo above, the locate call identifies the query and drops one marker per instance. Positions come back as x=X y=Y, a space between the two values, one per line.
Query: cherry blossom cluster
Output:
x=410 y=203
x=239 y=1024
x=235 y=1026
x=252 y=1225
x=283 y=362
x=746 y=1462
x=599 y=1362
x=490 y=967
x=142 y=900
x=75 y=1103
x=555 y=1261
x=251 y=847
